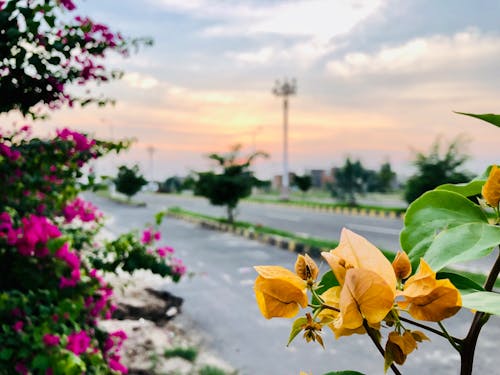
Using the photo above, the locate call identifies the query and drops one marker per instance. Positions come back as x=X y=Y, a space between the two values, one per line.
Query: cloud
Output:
x=308 y=26
x=140 y=81
x=465 y=49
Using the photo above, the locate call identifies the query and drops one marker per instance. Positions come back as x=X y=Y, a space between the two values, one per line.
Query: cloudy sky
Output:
x=376 y=79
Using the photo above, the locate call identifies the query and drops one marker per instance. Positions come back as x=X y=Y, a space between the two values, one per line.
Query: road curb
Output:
x=356 y=211
x=268 y=239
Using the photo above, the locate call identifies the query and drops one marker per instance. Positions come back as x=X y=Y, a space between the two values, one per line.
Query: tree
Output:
x=434 y=170
x=171 y=185
x=128 y=181
x=386 y=178
x=303 y=182
x=234 y=182
x=348 y=180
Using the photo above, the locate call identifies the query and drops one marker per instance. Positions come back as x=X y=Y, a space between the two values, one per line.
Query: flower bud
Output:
x=306 y=268
x=491 y=189
x=401 y=265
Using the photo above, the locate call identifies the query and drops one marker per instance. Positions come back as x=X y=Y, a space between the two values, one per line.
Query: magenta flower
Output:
x=21 y=368
x=164 y=251
x=18 y=326
x=78 y=342
x=51 y=340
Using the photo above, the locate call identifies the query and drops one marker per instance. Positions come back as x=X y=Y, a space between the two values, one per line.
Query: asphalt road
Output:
x=220 y=300
x=382 y=232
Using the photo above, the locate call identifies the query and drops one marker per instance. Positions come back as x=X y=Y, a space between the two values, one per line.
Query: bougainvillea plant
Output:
x=52 y=287
x=52 y=291
x=45 y=48
x=364 y=293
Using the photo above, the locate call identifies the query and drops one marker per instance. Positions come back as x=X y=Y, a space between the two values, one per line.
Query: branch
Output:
x=377 y=344
x=430 y=329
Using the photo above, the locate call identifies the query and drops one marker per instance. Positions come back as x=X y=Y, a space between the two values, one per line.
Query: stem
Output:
x=450 y=338
x=430 y=329
x=377 y=344
x=480 y=318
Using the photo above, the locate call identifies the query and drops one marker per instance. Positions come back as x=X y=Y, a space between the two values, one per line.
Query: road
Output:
x=220 y=300
x=382 y=232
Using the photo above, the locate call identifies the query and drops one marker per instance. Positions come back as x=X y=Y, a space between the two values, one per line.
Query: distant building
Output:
x=317 y=177
x=278 y=180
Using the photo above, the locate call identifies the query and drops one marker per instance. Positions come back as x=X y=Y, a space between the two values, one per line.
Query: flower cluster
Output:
x=81 y=209
x=371 y=293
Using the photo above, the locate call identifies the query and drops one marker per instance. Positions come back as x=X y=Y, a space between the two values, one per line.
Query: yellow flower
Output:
x=429 y=299
x=491 y=189
x=279 y=292
x=367 y=280
x=306 y=268
x=332 y=318
x=401 y=265
x=355 y=251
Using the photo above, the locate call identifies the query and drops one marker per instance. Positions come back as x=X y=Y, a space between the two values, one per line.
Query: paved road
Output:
x=382 y=232
x=220 y=299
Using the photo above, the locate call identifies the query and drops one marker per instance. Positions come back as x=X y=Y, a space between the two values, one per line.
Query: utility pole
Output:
x=285 y=89
x=151 y=150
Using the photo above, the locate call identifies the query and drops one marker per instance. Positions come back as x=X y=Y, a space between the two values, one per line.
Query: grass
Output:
x=211 y=370
x=325 y=205
x=317 y=243
x=189 y=353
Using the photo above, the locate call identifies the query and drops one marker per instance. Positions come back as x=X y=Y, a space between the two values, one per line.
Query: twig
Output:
x=379 y=347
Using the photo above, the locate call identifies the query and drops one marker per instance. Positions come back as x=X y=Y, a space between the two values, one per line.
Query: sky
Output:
x=377 y=80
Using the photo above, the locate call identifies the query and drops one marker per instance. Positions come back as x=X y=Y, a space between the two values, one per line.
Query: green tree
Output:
x=171 y=185
x=435 y=169
x=234 y=181
x=304 y=182
x=348 y=180
x=386 y=178
x=129 y=181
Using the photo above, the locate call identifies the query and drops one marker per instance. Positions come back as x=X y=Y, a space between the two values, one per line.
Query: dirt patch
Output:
x=152 y=319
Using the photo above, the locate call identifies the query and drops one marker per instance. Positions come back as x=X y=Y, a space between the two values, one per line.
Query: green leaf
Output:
x=40 y=362
x=55 y=244
x=488 y=302
x=432 y=213
x=461 y=282
x=345 y=372
x=467 y=190
x=488 y=117
x=327 y=281
x=296 y=328
x=6 y=353
x=462 y=243
x=159 y=217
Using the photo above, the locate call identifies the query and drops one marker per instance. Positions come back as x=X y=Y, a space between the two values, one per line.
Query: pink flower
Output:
x=114 y=364
x=51 y=340
x=148 y=235
x=21 y=368
x=68 y=4
x=86 y=211
x=164 y=251
x=78 y=342
x=18 y=326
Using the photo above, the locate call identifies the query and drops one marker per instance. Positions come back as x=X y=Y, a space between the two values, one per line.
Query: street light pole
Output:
x=285 y=89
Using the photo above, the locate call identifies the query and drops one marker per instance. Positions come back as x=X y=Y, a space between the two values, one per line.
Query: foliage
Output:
x=386 y=178
x=234 y=182
x=435 y=169
x=52 y=293
x=365 y=294
x=348 y=180
x=51 y=50
x=129 y=181
x=171 y=185
x=304 y=182
x=189 y=353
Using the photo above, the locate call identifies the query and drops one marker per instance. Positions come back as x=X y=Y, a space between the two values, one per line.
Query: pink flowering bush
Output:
x=52 y=287
x=53 y=293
